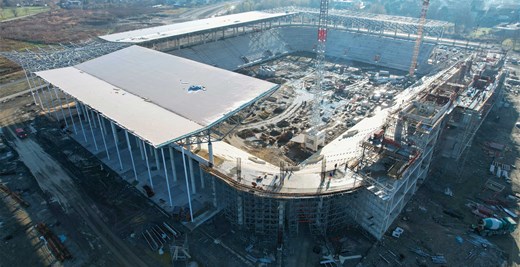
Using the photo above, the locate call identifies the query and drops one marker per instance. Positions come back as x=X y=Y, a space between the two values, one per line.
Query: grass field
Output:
x=480 y=33
x=9 y=13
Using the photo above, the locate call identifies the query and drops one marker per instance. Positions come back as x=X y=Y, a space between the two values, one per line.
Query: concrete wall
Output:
x=366 y=48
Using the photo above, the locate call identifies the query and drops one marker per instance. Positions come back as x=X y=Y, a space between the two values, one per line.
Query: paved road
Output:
x=53 y=179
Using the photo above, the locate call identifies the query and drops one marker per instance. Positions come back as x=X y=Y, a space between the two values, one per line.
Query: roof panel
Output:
x=144 y=119
x=171 y=30
x=166 y=79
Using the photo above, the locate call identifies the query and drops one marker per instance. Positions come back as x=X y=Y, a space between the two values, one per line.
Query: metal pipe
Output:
x=166 y=177
x=141 y=149
x=103 y=136
x=91 y=130
x=201 y=173
x=157 y=159
x=61 y=106
x=172 y=158
x=147 y=164
x=192 y=175
x=70 y=113
x=187 y=183
x=52 y=106
x=30 y=85
x=131 y=154
x=40 y=96
x=78 y=105
x=113 y=127
x=93 y=121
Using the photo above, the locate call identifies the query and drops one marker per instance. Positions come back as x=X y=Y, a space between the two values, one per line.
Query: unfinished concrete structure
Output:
x=159 y=120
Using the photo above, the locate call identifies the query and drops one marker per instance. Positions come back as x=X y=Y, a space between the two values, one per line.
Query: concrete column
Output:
x=148 y=165
x=91 y=130
x=172 y=162
x=201 y=173
x=131 y=154
x=166 y=177
x=187 y=183
x=319 y=212
x=103 y=136
x=210 y=154
x=240 y=211
x=281 y=213
x=214 y=188
x=116 y=142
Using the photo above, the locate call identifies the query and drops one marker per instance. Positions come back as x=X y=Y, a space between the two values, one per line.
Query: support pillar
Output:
x=93 y=121
x=214 y=189
x=240 y=211
x=70 y=113
x=131 y=154
x=157 y=159
x=55 y=113
x=166 y=177
x=40 y=99
x=116 y=142
x=172 y=162
x=281 y=214
x=103 y=136
x=30 y=85
x=91 y=130
x=201 y=173
x=210 y=154
x=192 y=175
x=187 y=183
x=140 y=147
x=61 y=106
x=78 y=105
x=148 y=165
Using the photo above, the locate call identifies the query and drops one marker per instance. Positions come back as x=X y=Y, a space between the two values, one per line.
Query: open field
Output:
x=17 y=12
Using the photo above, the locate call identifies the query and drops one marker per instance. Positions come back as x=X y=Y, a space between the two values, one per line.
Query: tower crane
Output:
x=320 y=58
x=314 y=137
x=418 y=41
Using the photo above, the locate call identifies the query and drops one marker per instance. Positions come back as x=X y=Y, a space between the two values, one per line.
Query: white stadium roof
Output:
x=147 y=92
x=172 y=30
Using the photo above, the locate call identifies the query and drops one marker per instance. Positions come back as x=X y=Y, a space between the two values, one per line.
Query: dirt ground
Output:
x=439 y=224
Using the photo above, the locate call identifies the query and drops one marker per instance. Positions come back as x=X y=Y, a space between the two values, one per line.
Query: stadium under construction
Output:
x=211 y=116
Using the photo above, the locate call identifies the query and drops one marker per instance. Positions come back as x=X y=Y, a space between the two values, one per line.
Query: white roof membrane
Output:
x=165 y=79
x=146 y=120
x=172 y=30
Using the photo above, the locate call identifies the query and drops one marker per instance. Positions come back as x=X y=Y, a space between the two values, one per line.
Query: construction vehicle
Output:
x=494 y=226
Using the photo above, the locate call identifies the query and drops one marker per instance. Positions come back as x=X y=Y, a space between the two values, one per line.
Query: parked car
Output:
x=21 y=133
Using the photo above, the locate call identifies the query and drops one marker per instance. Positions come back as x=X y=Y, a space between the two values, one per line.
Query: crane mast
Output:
x=320 y=57
x=314 y=136
x=418 y=41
